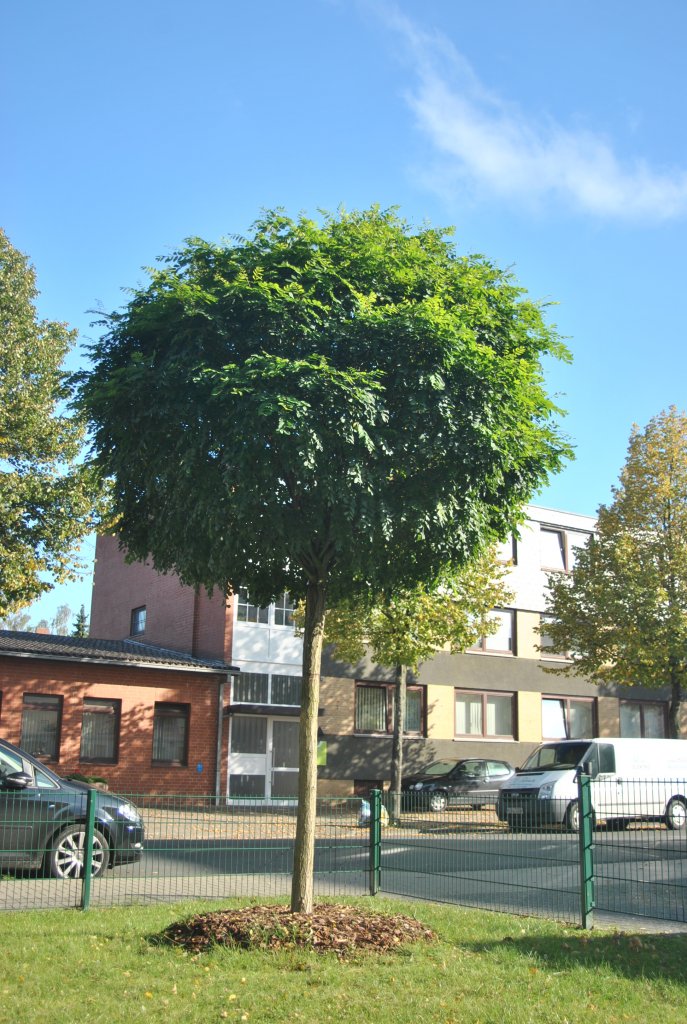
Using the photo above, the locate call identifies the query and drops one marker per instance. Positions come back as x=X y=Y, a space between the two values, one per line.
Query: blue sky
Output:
x=550 y=133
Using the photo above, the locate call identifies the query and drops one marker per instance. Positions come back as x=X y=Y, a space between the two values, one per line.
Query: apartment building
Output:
x=496 y=699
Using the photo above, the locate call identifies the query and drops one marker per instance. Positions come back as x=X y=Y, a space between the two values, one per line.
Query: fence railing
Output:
x=627 y=855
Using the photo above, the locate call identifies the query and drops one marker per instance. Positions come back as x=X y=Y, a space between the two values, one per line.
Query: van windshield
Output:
x=556 y=755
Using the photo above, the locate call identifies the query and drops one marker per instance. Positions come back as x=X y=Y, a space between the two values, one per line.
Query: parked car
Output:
x=42 y=820
x=471 y=782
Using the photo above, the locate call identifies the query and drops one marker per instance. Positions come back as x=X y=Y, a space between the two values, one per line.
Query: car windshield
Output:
x=556 y=755
x=438 y=768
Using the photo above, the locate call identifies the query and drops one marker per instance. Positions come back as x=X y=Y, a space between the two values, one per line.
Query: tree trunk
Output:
x=397 y=745
x=304 y=850
x=674 y=709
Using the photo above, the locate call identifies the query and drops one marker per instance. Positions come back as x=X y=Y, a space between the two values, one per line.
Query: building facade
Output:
x=496 y=699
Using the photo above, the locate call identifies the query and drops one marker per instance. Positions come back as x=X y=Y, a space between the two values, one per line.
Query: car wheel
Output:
x=676 y=814
x=438 y=802
x=66 y=855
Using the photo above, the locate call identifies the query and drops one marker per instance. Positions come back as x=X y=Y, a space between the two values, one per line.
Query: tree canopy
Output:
x=46 y=498
x=623 y=609
x=327 y=408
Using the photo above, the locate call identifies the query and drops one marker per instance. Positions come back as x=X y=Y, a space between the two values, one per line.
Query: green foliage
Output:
x=80 y=625
x=46 y=498
x=348 y=401
x=411 y=626
x=623 y=609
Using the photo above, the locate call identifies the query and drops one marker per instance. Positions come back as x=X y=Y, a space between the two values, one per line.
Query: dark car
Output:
x=471 y=782
x=42 y=820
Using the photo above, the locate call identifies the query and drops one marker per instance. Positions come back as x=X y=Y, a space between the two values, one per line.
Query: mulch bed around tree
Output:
x=331 y=927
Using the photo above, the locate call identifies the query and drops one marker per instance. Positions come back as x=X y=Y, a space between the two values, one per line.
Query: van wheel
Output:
x=572 y=817
x=676 y=814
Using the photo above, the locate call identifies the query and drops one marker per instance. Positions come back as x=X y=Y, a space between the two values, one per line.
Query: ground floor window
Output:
x=170 y=733
x=374 y=708
x=485 y=714
x=100 y=730
x=642 y=719
x=40 y=725
x=568 y=718
x=263 y=757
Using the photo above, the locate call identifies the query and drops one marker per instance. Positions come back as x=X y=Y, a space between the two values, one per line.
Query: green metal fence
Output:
x=630 y=859
x=615 y=849
x=193 y=847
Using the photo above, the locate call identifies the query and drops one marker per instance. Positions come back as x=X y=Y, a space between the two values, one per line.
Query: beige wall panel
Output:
x=440 y=713
x=337 y=698
x=608 y=713
x=529 y=717
x=526 y=638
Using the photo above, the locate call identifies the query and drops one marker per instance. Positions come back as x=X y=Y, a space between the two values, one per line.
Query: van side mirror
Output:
x=588 y=768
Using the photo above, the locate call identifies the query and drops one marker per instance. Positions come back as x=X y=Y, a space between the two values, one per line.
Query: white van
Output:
x=631 y=779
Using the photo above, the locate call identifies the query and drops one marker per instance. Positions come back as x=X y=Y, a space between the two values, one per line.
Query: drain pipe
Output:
x=220 y=735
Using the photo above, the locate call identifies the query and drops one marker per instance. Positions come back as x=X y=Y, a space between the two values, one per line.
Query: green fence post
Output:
x=375 y=840
x=88 y=850
x=586 y=835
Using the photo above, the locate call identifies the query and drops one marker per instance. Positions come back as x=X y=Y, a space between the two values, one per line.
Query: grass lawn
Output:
x=68 y=967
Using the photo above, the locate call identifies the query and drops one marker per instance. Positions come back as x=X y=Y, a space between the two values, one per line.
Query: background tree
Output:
x=623 y=609
x=410 y=626
x=46 y=499
x=18 y=621
x=80 y=624
x=327 y=409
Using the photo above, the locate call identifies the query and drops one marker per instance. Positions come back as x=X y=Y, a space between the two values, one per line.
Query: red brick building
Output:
x=145 y=718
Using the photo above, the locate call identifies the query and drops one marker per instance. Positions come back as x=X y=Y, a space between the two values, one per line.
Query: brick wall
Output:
x=176 y=616
x=138 y=689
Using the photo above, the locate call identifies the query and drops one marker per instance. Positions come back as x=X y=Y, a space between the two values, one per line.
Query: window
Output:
x=100 y=730
x=261 y=688
x=545 y=640
x=138 y=621
x=575 y=542
x=484 y=714
x=283 y=611
x=642 y=719
x=40 y=725
x=247 y=612
x=567 y=718
x=374 y=708
x=552 y=549
x=170 y=733
x=507 y=552
x=503 y=640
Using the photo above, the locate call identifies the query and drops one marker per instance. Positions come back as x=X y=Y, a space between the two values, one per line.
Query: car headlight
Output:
x=545 y=791
x=128 y=811
x=418 y=785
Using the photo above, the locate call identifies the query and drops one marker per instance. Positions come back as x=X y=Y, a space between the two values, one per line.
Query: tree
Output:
x=46 y=498
x=18 y=621
x=410 y=626
x=339 y=408
x=623 y=609
x=80 y=624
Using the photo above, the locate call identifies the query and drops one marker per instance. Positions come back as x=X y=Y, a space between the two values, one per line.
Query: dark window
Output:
x=100 y=730
x=170 y=733
x=642 y=719
x=484 y=714
x=283 y=611
x=138 y=620
x=568 y=718
x=251 y=688
x=374 y=708
x=40 y=725
x=248 y=612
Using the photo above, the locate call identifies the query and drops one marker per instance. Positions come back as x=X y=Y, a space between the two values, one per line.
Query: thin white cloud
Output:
x=492 y=147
